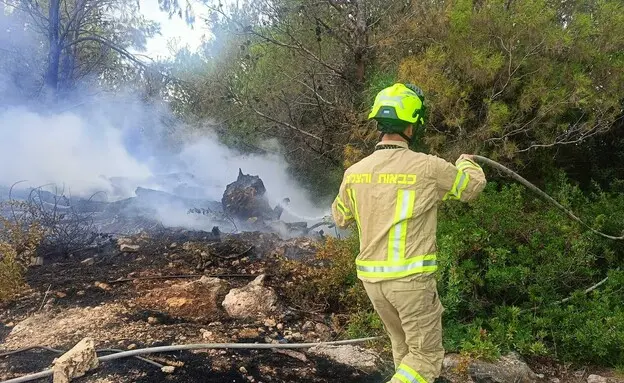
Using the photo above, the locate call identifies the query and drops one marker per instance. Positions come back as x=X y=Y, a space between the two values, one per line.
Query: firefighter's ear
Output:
x=409 y=131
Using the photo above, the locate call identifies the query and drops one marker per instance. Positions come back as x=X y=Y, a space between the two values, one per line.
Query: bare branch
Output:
x=287 y=125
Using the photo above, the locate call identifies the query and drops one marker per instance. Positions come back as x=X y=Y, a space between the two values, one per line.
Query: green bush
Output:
x=508 y=259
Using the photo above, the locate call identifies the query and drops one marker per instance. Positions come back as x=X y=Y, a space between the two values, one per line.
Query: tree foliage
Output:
x=515 y=80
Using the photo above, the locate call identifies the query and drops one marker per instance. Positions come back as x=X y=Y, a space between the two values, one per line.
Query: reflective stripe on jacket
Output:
x=392 y=196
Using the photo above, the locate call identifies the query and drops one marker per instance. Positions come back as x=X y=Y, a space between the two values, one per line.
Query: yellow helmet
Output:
x=397 y=106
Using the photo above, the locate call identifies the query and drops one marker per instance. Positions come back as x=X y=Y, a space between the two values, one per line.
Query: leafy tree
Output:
x=509 y=78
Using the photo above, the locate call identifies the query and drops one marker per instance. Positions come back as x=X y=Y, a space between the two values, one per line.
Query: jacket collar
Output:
x=402 y=144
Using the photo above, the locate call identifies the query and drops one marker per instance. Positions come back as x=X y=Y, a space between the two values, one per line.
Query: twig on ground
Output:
x=44 y=297
x=235 y=255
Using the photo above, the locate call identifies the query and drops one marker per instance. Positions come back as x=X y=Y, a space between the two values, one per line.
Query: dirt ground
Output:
x=114 y=298
x=153 y=296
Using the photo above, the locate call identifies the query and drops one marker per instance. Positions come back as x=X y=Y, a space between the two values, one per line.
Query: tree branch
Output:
x=287 y=125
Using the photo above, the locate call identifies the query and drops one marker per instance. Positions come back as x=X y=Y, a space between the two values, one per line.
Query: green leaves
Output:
x=532 y=75
x=509 y=263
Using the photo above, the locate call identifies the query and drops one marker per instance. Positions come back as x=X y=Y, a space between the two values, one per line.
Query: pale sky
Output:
x=175 y=30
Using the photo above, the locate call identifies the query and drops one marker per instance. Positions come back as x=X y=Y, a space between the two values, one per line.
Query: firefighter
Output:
x=392 y=196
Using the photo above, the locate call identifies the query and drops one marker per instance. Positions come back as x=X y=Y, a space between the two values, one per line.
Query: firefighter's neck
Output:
x=397 y=137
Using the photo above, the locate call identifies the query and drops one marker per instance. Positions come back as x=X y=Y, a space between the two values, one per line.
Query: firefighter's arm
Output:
x=464 y=181
x=341 y=208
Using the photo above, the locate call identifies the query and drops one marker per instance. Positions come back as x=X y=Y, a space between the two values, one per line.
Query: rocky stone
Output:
x=248 y=333
x=167 y=369
x=270 y=322
x=177 y=302
x=307 y=326
x=132 y=346
x=102 y=285
x=192 y=300
x=510 y=368
x=152 y=320
x=251 y=301
x=173 y=245
x=243 y=370
x=280 y=326
x=322 y=329
x=349 y=355
x=61 y=294
x=88 y=261
x=294 y=337
x=75 y=362
x=596 y=379
x=206 y=335
x=127 y=248
x=36 y=261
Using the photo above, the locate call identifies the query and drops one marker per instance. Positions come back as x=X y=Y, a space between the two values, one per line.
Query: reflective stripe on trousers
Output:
x=406 y=374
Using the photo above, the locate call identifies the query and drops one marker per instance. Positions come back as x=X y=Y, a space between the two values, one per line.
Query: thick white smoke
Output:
x=114 y=142
x=65 y=150
x=85 y=153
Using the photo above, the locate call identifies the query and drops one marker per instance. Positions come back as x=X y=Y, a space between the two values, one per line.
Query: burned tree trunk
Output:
x=54 y=50
x=245 y=198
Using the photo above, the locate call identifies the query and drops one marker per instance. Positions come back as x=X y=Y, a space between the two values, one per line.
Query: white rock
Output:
x=596 y=379
x=353 y=356
x=36 y=261
x=126 y=248
x=251 y=301
x=167 y=369
x=75 y=362
x=206 y=335
x=88 y=261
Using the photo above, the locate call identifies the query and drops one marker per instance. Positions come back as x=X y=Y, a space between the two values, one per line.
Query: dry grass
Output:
x=18 y=243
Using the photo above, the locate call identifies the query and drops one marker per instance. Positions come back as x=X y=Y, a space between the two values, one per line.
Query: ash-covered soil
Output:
x=152 y=295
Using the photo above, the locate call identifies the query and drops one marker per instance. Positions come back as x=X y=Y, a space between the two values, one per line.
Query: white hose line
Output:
x=200 y=346
x=538 y=191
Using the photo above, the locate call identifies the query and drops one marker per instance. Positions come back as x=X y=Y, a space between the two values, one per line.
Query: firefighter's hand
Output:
x=328 y=220
x=468 y=157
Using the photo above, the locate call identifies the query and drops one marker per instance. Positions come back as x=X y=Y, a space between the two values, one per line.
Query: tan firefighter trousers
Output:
x=412 y=315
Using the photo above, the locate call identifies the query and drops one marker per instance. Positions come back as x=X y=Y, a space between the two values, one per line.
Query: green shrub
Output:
x=508 y=258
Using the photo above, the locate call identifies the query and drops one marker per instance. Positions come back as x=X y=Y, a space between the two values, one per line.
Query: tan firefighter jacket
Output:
x=393 y=195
